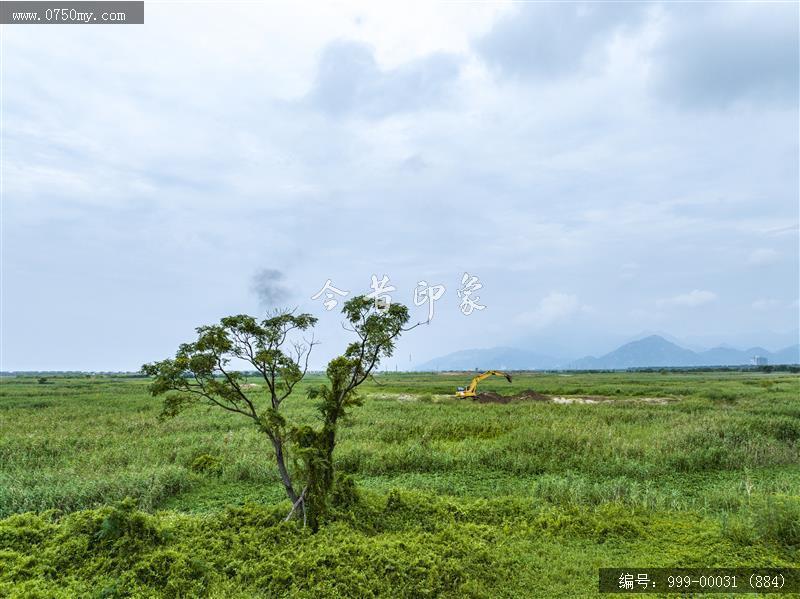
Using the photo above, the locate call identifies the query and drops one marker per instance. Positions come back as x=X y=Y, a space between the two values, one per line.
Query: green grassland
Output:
x=456 y=498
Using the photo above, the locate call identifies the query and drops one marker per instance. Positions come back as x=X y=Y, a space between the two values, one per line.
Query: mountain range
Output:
x=651 y=351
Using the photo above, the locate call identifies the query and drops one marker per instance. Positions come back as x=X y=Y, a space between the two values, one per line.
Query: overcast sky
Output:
x=605 y=170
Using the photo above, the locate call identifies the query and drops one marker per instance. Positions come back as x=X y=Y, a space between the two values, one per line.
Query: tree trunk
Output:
x=284 y=472
x=321 y=473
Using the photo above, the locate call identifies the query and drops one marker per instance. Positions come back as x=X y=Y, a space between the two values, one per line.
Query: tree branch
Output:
x=204 y=393
x=301 y=499
x=235 y=385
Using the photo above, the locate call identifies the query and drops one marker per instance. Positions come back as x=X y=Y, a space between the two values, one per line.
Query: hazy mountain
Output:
x=655 y=351
x=773 y=339
x=729 y=356
x=788 y=355
x=652 y=351
x=499 y=358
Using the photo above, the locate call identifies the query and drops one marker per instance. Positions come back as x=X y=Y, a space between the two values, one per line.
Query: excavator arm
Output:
x=470 y=391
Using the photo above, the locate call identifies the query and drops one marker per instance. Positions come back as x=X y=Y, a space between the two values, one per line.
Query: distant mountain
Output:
x=652 y=351
x=727 y=356
x=700 y=342
x=788 y=355
x=655 y=351
x=498 y=358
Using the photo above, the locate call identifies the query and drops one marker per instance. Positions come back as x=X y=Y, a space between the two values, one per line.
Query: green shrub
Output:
x=207 y=464
x=174 y=573
x=123 y=529
x=777 y=519
x=774 y=519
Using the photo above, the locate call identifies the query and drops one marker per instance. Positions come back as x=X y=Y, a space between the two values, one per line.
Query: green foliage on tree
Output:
x=201 y=373
x=376 y=332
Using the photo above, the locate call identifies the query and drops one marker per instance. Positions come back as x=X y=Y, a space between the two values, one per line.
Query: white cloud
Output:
x=349 y=80
x=692 y=63
x=765 y=304
x=763 y=257
x=564 y=175
x=694 y=298
x=545 y=40
x=552 y=308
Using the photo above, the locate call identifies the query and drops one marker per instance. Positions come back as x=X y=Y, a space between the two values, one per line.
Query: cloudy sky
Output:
x=605 y=170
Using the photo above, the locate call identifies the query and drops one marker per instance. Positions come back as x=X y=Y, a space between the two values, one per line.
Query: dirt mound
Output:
x=528 y=395
x=492 y=397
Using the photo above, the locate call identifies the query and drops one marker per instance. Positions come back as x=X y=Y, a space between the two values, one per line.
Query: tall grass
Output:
x=79 y=443
x=458 y=499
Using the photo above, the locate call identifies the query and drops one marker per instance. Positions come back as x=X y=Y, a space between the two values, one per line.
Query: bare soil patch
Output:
x=528 y=395
x=531 y=395
x=586 y=399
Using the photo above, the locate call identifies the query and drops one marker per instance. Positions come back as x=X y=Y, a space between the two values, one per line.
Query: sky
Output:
x=605 y=170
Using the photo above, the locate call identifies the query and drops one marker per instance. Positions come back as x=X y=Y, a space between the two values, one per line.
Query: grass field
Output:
x=457 y=499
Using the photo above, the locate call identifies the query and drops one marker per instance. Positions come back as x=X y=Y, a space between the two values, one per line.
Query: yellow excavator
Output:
x=470 y=391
